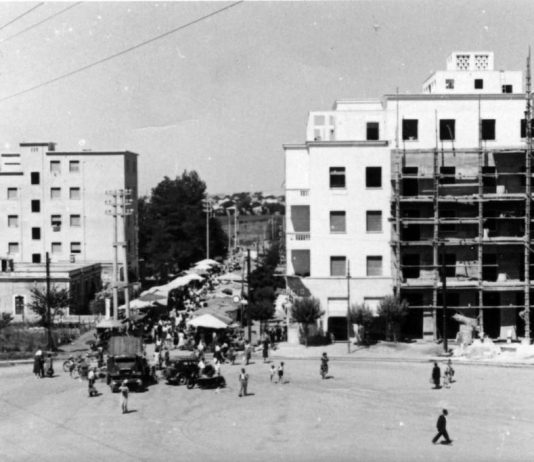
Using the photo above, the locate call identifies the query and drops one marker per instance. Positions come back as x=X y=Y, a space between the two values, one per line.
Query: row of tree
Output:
x=391 y=312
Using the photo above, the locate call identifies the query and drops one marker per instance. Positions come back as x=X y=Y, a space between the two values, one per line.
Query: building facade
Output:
x=455 y=197
x=55 y=202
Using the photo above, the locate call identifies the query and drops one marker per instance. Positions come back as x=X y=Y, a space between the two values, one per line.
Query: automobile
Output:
x=206 y=378
x=180 y=370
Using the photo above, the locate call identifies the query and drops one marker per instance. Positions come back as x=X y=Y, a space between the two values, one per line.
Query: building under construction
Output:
x=450 y=168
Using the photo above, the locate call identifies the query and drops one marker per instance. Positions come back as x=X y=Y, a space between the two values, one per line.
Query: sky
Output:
x=222 y=95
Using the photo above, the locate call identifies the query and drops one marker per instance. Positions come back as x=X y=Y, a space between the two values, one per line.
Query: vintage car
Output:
x=180 y=370
x=206 y=378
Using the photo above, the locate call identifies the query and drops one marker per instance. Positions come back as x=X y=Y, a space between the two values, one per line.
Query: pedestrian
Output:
x=157 y=360
x=324 y=365
x=243 y=383
x=265 y=350
x=248 y=352
x=450 y=370
x=273 y=371
x=37 y=363
x=436 y=375
x=124 y=396
x=281 y=372
x=441 y=425
x=91 y=378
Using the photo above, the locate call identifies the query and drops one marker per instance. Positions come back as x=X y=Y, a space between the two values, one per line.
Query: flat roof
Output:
x=90 y=153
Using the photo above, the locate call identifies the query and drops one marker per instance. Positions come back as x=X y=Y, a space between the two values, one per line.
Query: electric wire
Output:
x=33 y=26
x=120 y=53
x=21 y=15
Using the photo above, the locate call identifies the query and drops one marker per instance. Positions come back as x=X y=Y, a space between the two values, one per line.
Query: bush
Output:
x=316 y=340
x=393 y=310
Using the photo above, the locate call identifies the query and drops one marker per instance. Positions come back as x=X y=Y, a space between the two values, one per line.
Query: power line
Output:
x=123 y=52
x=33 y=26
x=22 y=15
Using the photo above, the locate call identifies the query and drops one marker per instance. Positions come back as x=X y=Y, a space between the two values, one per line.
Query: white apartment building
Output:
x=55 y=202
x=349 y=198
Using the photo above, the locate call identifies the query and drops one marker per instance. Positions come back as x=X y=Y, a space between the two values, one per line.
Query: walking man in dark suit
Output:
x=442 y=428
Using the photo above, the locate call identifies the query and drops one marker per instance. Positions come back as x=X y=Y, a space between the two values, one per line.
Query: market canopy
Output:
x=208 y=321
x=109 y=324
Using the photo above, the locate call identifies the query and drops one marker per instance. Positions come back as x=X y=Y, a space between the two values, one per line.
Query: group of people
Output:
x=42 y=366
x=448 y=375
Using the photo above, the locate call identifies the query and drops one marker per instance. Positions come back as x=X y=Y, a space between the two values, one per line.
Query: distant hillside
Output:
x=247 y=203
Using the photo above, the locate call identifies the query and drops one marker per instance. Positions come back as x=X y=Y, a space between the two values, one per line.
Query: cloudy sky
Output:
x=223 y=94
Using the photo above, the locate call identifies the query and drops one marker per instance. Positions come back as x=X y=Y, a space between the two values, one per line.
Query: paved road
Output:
x=366 y=412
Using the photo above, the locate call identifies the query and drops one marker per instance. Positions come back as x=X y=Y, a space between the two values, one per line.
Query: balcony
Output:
x=301 y=236
x=298 y=196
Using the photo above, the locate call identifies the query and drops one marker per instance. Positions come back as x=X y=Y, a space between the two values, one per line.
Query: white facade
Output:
x=358 y=135
x=55 y=202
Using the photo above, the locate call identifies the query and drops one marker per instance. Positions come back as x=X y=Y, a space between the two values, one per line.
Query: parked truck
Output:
x=127 y=363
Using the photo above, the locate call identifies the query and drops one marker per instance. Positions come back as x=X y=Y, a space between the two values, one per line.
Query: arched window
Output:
x=19 y=305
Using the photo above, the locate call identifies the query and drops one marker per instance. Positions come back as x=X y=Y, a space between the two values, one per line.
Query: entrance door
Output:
x=338 y=326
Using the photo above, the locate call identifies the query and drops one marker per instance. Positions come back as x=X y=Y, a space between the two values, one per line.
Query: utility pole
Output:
x=348 y=306
x=528 y=201
x=444 y=297
x=48 y=313
x=207 y=207
x=249 y=297
x=120 y=204
x=113 y=203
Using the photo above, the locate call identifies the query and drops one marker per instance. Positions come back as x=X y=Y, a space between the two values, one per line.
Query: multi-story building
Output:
x=455 y=186
x=55 y=202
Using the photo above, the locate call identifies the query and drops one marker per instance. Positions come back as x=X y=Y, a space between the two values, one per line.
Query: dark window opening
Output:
x=450 y=264
x=488 y=129
x=36 y=233
x=373 y=131
x=35 y=177
x=338 y=266
x=507 y=89
x=36 y=258
x=411 y=266
x=479 y=84
x=447 y=130
x=524 y=128
x=36 y=205
x=373 y=177
x=337 y=177
x=444 y=226
x=409 y=129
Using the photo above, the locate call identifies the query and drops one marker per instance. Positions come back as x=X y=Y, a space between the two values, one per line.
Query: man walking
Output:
x=243 y=382
x=442 y=428
x=436 y=375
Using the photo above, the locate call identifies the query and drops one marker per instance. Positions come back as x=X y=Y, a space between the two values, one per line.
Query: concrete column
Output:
x=428 y=325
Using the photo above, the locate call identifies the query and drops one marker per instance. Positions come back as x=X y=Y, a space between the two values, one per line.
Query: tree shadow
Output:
x=130 y=411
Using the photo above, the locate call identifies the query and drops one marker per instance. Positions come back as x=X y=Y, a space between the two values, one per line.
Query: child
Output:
x=124 y=396
x=281 y=372
x=273 y=370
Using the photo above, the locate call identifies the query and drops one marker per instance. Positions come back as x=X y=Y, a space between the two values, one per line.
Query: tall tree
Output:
x=172 y=226
x=306 y=311
x=59 y=299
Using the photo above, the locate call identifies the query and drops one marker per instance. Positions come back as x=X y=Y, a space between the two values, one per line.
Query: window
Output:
x=75 y=221
x=75 y=247
x=447 y=175
x=12 y=193
x=19 y=305
x=373 y=131
x=55 y=166
x=507 y=89
x=55 y=193
x=12 y=248
x=55 y=221
x=12 y=221
x=34 y=178
x=36 y=258
x=337 y=177
x=338 y=266
x=374 y=266
x=524 y=127
x=74 y=166
x=449 y=84
x=447 y=129
x=36 y=233
x=36 y=205
x=337 y=222
x=56 y=247
x=74 y=193
x=409 y=129
x=373 y=177
x=488 y=129
x=479 y=84
x=374 y=221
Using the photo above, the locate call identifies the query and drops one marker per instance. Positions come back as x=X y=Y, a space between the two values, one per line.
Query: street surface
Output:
x=383 y=411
